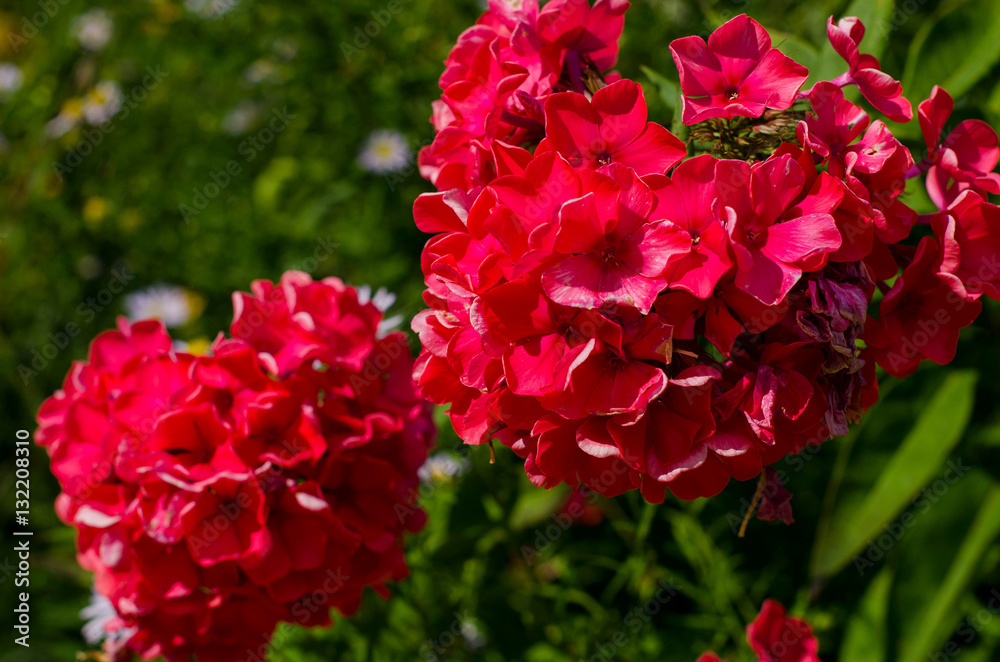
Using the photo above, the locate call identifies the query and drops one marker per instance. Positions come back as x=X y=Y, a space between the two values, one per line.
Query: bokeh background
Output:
x=895 y=551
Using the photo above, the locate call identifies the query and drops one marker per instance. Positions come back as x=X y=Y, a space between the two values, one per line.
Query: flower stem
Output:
x=761 y=484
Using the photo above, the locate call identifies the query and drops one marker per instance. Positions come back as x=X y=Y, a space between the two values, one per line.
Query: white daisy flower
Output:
x=97 y=615
x=102 y=102
x=474 y=639
x=385 y=151
x=93 y=29
x=172 y=305
x=260 y=71
x=382 y=300
x=11 y=79
x=442 y=467
x=210 y=8
x=285 y=48
x=67 y=119
x=240 y=118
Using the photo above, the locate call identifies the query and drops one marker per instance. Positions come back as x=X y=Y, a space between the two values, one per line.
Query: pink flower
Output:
x=772 y=255
x=881 y=90
x=920 y=317
x=776 y=638
x=835 y=124
x=212 y=541
x=578 y=27
x=969 y=234
x=686 y=199
x=614 y=254
x=500 y=73
x=964 y=160
x=736 y=74
x=209 y=498
x=298 y=321
x=776 y=501
x=610 y=128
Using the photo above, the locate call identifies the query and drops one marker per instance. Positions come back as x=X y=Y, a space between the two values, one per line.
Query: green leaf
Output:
x=937 y=430
x=269 y=183
x=954 y=49
x=921 y=543
x=864 y=636
x=535 y=506
x=993 y=104
x=941 y=609
x=668 y=89
x=874 y=14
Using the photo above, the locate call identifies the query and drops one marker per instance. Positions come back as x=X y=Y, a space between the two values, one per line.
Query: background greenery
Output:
x=120 y=208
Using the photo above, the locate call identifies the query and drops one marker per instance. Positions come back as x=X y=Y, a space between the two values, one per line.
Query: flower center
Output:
x=604 y=158
x=756 y=237
x=733 y=94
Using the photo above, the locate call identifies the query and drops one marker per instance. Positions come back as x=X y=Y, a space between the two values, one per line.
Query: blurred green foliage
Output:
x=887 y=558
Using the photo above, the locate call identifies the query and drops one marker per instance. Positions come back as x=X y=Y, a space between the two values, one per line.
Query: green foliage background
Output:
x=934 y=561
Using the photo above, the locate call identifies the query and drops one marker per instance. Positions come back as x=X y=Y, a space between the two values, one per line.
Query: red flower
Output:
x=881 y=90
x=616 y=255
x=736 y=74
x=686 y=199
x=836 y=123
x=969 y=233
x=582 y=300
x=210 y=498
x=499 y=75
x=610 y=128
x=920 y=317
x=776 y=638
x=772 y=255
x=964 y=160
x=776 y=501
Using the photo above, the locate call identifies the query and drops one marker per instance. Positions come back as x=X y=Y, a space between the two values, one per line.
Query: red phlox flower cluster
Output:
x=270 y=480
x=500 y=73
x=774 y=637
x=626 y=315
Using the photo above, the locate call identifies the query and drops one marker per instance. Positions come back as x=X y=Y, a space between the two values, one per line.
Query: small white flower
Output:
x=260 y=71
x=172 y=305
x=382 y=300
x=442 y=467
x=11 y=79
x=385 y=151
x=474 y=639
x=240 y=118
x=98 y=615
x=93 y=29
x=102 y=102
x=61 y=124
x=210 y=8
x=285 y=49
